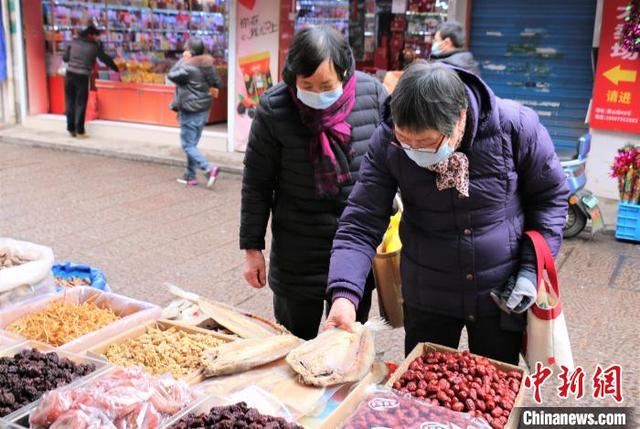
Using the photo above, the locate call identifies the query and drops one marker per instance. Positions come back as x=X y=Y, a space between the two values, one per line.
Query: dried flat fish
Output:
x=244 y=354
x=335 y=356
x=242 y=324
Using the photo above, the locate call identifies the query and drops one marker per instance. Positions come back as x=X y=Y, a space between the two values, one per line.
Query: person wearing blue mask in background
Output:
x=305 y=147
x=448 y=47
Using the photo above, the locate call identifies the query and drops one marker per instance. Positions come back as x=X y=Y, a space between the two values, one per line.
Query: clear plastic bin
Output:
x=8 y=340
x=131 y=311
x=21 y=421
x=253 y=396
x=100 y=364
x=192 y=377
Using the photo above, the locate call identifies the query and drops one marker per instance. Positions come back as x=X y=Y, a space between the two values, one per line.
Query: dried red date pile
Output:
x=462 y=382
x=26 y=376
x=234 y=416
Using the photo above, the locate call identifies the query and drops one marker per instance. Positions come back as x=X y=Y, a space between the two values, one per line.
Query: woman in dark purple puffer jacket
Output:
x=474 y=171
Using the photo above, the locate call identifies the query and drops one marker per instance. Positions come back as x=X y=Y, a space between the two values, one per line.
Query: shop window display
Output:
x=145 y=37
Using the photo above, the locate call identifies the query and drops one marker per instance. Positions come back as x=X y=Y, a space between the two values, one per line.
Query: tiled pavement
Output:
x=143 y=229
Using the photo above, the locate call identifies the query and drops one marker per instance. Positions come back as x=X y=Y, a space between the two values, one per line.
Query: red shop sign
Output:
x=616 y=93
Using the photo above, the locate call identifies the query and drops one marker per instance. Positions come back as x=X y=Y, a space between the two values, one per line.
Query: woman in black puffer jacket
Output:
x=305 y=147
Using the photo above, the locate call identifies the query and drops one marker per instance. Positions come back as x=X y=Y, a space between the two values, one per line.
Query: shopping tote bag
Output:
x=546 y=339
x=91 y=113
x=92 y=107
x=386 y=271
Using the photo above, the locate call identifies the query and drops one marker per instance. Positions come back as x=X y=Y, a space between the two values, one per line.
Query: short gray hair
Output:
x=454 y=31
x=428 y=96
x=195 y=46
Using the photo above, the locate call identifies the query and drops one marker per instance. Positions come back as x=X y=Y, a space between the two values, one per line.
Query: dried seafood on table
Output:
x=245 y=354
x=335 y=356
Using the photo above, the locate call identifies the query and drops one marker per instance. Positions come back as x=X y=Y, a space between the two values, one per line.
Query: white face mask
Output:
x=427 y=159
x=436 y=48
x=319 y=100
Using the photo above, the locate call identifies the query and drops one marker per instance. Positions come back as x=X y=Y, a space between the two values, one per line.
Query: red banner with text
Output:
x=616 y=93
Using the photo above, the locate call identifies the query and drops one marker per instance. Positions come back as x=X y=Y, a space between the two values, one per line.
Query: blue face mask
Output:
x=319 y=100
x=436 y=49
x=427 y=159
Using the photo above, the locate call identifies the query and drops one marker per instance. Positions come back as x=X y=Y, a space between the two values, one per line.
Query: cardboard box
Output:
x=514 y=417
x=193 y=377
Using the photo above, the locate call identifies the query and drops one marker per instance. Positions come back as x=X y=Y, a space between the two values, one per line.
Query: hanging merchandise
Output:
x=423 y=18
x=334 y=13
x=146 y=41
x=631 y=29
x=145 y=38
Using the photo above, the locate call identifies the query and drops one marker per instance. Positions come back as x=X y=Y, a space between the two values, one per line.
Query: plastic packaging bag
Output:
x=386 y=271
x=21 y=282
x=67 y=270
x=387 y=408
x=264 y=402
x=278 y=380
x=126 y=398
x=132 y=313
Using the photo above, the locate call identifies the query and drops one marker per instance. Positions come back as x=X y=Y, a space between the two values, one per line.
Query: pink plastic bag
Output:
x=125 y=398
x=132 y=312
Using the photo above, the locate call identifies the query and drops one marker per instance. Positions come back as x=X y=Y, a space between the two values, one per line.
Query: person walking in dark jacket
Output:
x=80 y=55
x=448 y=47
x=305 y=147
x=474 y=171
x=194 y=75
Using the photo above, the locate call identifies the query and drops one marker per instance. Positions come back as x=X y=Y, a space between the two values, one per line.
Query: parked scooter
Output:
x=583 y=205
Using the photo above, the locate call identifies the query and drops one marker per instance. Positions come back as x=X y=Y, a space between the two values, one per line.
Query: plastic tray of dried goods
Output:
x=100 y=365
x=8 y=340
x=252 y=396
x=192 y=377
x=131 y=313
x=174 y=397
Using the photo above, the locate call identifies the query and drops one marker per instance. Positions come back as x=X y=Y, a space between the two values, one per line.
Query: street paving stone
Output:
x=144 y=230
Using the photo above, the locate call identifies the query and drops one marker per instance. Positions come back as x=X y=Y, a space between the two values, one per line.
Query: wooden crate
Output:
x=514 y=416
x=193 y=377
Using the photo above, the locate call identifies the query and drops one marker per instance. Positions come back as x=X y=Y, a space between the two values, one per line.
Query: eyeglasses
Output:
x=398 y=143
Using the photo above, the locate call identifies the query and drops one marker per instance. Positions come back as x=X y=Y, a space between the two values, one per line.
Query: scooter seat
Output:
x=567 y=154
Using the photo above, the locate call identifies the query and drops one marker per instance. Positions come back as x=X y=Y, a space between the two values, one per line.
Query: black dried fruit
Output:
x=234 y=416
x=26 y=376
